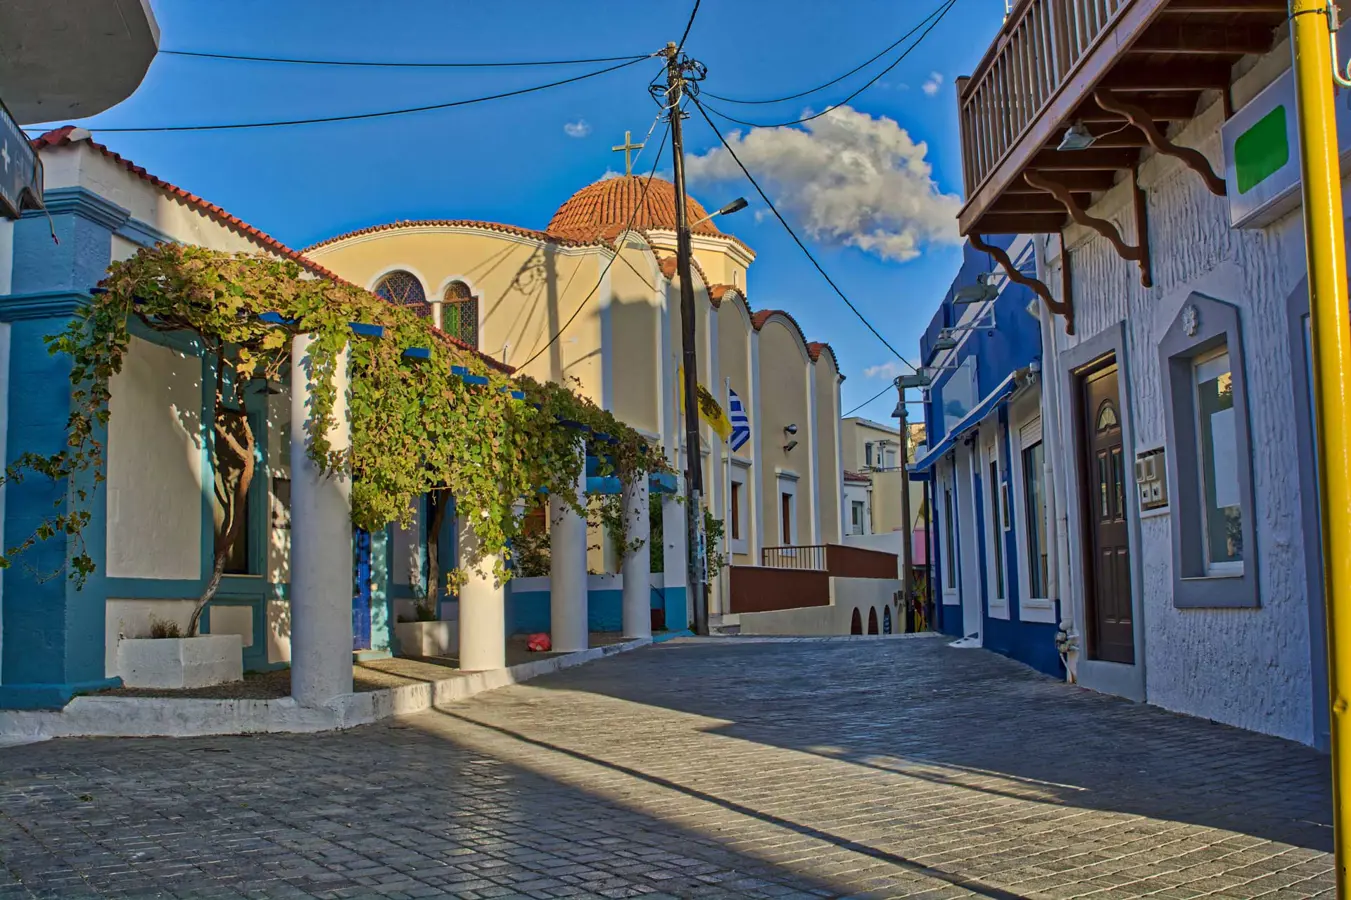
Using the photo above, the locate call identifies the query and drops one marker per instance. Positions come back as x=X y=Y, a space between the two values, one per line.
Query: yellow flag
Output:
x=710 y=411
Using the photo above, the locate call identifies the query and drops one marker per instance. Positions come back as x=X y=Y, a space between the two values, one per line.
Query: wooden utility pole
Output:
x=694 y=475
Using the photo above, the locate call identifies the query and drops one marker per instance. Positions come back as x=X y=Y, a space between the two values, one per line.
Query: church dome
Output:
x=603 y=209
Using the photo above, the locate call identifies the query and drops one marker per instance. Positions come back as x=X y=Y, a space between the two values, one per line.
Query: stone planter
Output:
x=180 y=662
x=428 y=638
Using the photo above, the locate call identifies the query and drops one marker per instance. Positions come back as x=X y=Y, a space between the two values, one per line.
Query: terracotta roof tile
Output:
x=60 y=137
x=858 y=477
x=452 y=223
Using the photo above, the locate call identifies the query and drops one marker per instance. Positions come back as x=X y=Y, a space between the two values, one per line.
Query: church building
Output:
x=552 y=304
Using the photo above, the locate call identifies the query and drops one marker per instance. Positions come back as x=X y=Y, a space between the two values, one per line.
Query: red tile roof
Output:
x=858 y=477
x=454 y=223
x=60 y=137
x=603 y=209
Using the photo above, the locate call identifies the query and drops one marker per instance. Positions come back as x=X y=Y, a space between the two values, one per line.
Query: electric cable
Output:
x=599 y=281
x=943 y=11
x=371 y=115
x=889 y=387
x=395 y=65
x=791 y=233
x=688 y=25
x=892 y=46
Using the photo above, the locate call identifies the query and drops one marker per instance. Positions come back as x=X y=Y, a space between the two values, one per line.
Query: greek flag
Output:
x=741 y=423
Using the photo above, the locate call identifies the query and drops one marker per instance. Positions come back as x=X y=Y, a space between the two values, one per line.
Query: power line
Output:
x=396 y=65
x=869 y=400
x=688 y=25
x=632 y=216
x=894 y=44
x=943 y=11
x=791 y=233
x=375 y=115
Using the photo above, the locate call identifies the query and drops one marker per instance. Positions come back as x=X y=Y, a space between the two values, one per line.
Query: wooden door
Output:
x=1107 y=546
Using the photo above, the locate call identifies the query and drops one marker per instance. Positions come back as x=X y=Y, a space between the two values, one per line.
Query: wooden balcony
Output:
x=1126 y=69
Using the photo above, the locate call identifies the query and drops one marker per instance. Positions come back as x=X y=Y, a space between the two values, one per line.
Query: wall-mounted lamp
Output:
x=980 y=292
x=1077 y=137
x=790 y=429
x=789 y=446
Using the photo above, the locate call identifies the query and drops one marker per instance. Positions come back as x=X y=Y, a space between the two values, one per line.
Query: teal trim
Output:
x=143 y=233
x=662 y=483
x=54 y=635
x=84 y=203
x=605 y=484
x=664 y=636
x=50 y=696
x=41 y=305
x=181 y=341
x=367 y=655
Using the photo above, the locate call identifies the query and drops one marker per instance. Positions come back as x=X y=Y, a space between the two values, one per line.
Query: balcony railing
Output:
x=1039 y=49
x=806 y=556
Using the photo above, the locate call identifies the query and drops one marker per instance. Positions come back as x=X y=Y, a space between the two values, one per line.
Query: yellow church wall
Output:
x=783 y=385
x=721 y=261
x=827 y=447
x=734 y=359
x=527 y=290
x=634 y=338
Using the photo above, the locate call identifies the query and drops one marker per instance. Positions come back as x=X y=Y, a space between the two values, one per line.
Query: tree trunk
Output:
x=438 y=501
x=234 y=520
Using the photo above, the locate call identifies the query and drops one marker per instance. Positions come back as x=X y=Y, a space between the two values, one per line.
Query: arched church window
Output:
x=459 y=316
x=404 y=289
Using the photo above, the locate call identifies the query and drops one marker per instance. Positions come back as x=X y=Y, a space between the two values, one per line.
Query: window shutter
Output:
x=1030 y=433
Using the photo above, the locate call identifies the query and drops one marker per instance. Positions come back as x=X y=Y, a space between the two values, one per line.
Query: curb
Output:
x=95 y=716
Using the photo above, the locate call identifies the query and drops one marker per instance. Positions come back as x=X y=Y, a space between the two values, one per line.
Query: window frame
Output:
x=996 y=566
x=1202 y=326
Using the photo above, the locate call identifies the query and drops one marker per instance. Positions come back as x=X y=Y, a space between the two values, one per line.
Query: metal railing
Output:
x=1037 y=51
x=805 y=556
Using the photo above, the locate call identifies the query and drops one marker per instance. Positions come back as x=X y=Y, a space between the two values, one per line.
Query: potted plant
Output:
x=166 y=658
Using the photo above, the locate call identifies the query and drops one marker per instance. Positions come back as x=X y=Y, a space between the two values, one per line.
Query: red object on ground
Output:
x=539 y=643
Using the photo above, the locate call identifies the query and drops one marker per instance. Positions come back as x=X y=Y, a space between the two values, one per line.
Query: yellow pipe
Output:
x=1330 y=319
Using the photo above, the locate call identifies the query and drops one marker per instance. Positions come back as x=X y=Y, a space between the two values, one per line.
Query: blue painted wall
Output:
x=998 y=352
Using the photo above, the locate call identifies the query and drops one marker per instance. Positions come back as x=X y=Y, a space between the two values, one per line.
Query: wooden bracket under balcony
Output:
x=1135 y=115
x=1137 y=253
x=1063 y=307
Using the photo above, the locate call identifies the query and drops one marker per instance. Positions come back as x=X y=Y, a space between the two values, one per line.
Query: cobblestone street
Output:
x=718 y=768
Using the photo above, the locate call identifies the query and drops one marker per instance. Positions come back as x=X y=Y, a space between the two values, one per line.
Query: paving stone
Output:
x=695 y=769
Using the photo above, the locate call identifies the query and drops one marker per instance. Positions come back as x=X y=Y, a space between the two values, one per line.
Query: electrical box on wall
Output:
x=1151 y=478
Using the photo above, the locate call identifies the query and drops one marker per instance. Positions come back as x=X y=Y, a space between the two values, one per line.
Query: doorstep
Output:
x=102 y=716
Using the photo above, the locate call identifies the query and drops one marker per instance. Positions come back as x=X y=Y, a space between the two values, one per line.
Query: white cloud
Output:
x=888 y=370
x=932 y=83
x=579 y=129
x=846 y=179
x=610 y=173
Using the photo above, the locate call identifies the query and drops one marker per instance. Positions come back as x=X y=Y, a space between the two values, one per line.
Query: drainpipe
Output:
x=1057 y=563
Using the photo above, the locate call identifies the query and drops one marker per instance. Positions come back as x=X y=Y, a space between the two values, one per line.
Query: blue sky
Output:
x=515 y=160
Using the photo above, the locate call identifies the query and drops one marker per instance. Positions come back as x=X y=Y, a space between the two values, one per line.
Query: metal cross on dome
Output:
x=627 y=147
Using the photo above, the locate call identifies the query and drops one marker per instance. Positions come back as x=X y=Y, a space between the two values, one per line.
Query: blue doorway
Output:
x=361 y=595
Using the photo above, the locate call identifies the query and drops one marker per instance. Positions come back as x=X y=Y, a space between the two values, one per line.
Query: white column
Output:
x=483 y=609
x=321 y=547
x=674 y=553
x=637 y=564
x=567 y=570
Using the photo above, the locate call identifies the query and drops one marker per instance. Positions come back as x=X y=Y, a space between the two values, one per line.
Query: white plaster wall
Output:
x=1244 y=667
x=155 y=464
x=279 y=466
x=129 y=617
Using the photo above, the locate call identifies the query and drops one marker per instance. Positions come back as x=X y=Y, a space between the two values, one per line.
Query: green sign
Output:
x=1262 y=150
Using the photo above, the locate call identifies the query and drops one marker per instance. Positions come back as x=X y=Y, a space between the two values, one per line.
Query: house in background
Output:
x=1166 y=191
x=986 y=465
x=871 y=454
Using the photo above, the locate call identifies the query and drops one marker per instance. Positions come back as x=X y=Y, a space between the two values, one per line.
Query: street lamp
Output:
x=736 y=205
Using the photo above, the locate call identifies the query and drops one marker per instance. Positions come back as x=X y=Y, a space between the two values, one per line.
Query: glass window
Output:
x=868 y=454
x=857 y=516
x=1217 y=437
x=736 y=511
x=1034 y=501
x=459 y=316
x=786 y=520
x=949 y=542
x=404 y=289
x=996 y=533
